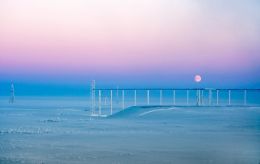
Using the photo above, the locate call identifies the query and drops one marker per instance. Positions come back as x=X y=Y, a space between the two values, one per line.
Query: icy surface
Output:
x=58 y=130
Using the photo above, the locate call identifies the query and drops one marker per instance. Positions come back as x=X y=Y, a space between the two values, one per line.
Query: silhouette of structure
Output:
x=11 y=99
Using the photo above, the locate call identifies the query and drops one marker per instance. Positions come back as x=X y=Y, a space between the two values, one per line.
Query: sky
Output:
x=59 y=45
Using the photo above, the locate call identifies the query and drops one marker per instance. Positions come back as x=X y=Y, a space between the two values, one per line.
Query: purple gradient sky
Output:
x=137 y=42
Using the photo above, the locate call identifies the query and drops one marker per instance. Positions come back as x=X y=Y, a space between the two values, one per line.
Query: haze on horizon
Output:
x=130 y=43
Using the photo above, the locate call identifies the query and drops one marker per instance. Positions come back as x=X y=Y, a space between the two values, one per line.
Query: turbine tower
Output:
x=11 y=99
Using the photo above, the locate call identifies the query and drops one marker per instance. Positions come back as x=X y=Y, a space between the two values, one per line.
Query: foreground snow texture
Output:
x=65 y=133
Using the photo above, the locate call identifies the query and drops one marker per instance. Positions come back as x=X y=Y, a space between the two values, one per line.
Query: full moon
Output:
x=197 y=78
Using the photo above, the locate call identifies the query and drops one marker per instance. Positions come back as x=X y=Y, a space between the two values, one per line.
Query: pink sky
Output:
x=121 y=36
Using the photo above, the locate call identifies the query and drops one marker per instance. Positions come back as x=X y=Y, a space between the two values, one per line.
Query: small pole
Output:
x=99 y=101
x=11 y=100
x=217 y=96
x=148 y=97
x=111 y=102
x=202 y=97
x=117 y=94
x=187 y=97
x=123 y=99
x=210 y=95
x=160 y=97
x=198 y=97
x=229 y=97
x=245 y=97
x=135 y=97
x=93 y=96
x=174 y=97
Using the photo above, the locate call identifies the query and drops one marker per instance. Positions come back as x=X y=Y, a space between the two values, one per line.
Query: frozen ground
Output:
x=54 y=130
